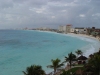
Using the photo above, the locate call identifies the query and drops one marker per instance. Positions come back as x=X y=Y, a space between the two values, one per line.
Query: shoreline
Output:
x=23 y=47
x=66 y=67
x=94 y=43
x=86 y=52
x=83 y=37
x=86 y=36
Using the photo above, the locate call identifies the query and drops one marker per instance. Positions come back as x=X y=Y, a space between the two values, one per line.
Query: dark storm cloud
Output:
x=49 y=13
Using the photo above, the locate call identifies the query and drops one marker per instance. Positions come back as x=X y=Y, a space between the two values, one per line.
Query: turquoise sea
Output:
x=22 y=48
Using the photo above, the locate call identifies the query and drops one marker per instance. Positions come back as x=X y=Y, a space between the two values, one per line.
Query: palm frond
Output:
x=60 y=65
x=34 y=70
x=24 y=73
x=50 y=66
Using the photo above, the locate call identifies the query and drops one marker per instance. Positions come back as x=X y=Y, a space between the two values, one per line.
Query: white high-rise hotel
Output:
x=66 y=29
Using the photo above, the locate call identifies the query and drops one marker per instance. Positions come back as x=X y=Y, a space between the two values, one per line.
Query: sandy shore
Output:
x=84 y=35
x=76 y=35
x=80 y=35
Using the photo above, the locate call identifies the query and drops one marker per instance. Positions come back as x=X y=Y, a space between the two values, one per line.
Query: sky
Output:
x=49 y=13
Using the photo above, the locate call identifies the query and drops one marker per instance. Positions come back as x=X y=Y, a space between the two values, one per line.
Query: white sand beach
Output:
x=87 y=36
x=94 y=43
x=84 y=36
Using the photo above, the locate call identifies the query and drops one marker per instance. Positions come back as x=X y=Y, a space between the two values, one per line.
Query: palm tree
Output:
x=79 y=52
x=34 y=70
x=55 y=64
x=71 y=57
x=95 y=63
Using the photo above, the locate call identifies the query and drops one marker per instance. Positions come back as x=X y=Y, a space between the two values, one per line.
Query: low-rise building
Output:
x=80 y=30
x=93 y=31
x=72 y=30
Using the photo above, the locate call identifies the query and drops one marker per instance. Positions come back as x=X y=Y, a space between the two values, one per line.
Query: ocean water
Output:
x=22 y=48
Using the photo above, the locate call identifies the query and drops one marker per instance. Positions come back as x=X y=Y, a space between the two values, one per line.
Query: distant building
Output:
x=64 y=29
x=97 y=30
x=25 y=28
x=45 y=29
x=93 y=31
x=81 y=30
x=60 y=29
x=72 y=30
x=68 y=28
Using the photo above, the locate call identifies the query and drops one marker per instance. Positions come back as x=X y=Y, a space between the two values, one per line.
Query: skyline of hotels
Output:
x=93 y=31
x=70 y=29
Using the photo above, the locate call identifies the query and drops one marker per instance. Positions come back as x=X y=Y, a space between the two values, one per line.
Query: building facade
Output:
x=60 y=29
x=72 y=30
x=68 y=28
x=80 y=30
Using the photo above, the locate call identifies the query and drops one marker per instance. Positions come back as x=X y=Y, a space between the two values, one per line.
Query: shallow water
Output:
x=22 y=48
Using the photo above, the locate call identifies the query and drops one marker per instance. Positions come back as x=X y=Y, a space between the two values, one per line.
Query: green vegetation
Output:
x=55 y=64
x=79 y=52
x=72 y=70
x=94 y=63
x=34 y=70
x=90 y=68
x=79 y=65
x=71 y=57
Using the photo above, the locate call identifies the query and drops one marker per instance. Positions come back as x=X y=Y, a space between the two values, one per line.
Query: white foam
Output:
x=92 y=47
x=90 y=50
x=88 y=39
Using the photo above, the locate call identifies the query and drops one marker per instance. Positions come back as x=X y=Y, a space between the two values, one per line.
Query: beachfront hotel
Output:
x=66 y=29
x=80 y=30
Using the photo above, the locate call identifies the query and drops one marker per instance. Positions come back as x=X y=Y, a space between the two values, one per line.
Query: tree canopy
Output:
x=34 y=70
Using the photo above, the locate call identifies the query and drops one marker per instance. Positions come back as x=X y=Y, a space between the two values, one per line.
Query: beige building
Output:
x=81 y=30
x=68 y=28
x=72 y=30
x=60 y=28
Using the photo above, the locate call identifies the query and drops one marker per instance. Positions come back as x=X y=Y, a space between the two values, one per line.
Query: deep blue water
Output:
x=22 y=48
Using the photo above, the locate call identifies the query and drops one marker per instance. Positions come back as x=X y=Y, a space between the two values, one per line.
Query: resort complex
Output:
x=67 y=50
x=66 y=29
x=49 y=37
x=76 y=62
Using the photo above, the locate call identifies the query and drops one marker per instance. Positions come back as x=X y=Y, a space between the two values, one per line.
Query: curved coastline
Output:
x=87 y=50
x=16 y=55
x=92 y=47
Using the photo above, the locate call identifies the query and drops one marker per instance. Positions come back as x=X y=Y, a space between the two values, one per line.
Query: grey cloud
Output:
x=6 y=4
x=19 y=1
x=49 y=13
x=61 y=1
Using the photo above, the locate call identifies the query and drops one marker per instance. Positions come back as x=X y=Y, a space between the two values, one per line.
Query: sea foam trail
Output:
x=93 y=44
x=92 y=47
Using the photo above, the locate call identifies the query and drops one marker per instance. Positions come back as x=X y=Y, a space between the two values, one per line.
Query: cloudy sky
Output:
x=49 y=13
